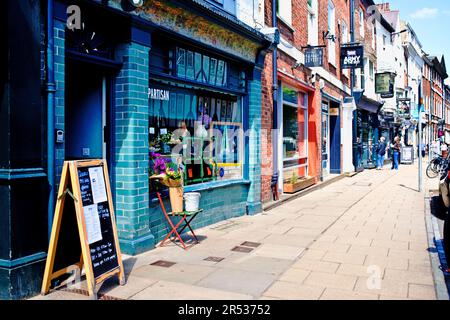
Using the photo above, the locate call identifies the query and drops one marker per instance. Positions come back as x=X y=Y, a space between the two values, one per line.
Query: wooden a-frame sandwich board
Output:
x=70 y=174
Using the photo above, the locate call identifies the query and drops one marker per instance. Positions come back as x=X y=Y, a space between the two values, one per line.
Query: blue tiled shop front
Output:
x=142 y=59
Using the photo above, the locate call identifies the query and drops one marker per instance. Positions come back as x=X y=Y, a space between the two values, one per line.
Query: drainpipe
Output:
x=50 y=89
x=275 y=176
x=352 y=84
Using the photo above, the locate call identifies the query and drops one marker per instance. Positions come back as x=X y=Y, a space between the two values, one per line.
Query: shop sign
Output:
x=406 y=155
x=352 y=57
x=313 y=57
x=384 y=84
x=158 y=94
x=334 y=111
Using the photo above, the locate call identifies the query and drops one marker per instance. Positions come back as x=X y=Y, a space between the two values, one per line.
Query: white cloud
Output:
x=425 y=13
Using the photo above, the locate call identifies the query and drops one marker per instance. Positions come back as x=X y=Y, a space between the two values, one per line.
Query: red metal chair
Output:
x=186 y=217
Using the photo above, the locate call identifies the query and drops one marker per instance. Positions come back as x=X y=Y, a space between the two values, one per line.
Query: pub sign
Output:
x=352 y=57
x=313 y=57
x=384 y=84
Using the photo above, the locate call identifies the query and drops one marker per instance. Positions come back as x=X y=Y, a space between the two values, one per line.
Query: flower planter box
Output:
x=301 y=184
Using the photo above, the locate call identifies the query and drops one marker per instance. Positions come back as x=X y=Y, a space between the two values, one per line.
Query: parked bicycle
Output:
x=437 y=166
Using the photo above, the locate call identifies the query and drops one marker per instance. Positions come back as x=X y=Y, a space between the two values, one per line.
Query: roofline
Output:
x=408 y=25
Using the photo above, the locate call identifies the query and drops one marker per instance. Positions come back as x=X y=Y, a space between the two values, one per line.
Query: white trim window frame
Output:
x=304 y=108
x=313 y=25
x=361 y=23
x=344 y=40
x=284 y=11
x=332 y=32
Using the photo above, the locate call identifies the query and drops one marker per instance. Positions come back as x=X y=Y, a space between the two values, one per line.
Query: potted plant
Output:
x=170 y=175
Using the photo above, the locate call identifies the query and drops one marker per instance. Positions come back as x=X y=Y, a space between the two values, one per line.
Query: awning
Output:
x=369 y=105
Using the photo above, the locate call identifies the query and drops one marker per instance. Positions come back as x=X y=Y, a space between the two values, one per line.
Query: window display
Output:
x=295 y=139
x=201 y=131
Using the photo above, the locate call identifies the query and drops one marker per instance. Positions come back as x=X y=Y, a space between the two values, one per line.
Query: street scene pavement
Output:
x=362 y=237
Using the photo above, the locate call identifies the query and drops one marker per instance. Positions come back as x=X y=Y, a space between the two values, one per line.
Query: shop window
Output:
x=202 y=132
x=189 y=64
x=202 y=68
x=295 y=137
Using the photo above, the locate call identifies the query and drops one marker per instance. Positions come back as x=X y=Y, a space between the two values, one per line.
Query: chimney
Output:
x=384 y=7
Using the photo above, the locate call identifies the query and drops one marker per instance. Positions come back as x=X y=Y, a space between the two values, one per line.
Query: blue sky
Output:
x=430 y=20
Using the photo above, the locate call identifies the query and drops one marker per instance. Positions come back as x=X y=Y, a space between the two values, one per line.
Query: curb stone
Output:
x=432 y=234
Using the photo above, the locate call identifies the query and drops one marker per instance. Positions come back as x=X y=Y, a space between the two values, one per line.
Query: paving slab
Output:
x=292 y=291
x=234 y=280
x=166 y=290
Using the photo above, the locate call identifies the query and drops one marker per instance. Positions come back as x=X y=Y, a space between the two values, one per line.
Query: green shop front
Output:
x=177 y=78
x=368 y=132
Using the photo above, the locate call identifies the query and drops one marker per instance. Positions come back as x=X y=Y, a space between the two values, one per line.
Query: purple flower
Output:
x=159 y=165
x=205 y=119
x=154 y=155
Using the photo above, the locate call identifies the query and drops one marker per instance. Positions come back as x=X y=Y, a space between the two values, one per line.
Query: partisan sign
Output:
x=313 y=57
x=352 y=57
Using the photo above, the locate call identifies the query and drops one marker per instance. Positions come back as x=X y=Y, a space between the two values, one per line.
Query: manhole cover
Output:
x=242 y=249
x=251 y=244
x=162 y=263
x=214 y=259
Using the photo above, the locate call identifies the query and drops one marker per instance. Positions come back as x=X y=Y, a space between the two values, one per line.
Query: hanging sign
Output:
x=352 y=57
x=313 y=57
x=384 y=84
x=84 y=228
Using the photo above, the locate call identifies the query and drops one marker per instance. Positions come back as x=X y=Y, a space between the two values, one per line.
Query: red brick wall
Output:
x=300 y=78
x=426 y=92
x=266 y=125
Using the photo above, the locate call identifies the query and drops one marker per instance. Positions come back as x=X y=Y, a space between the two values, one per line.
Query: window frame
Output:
x=281 y=14
x=312 y=23
x=304 y=108
x=331 y=27
x=361 y=23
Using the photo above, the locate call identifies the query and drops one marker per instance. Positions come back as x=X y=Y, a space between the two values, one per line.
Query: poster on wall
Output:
x=352 y=57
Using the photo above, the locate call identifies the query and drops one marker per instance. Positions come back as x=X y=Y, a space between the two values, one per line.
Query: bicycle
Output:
x=437 y=166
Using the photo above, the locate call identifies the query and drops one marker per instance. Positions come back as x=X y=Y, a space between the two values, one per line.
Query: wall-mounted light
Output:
x=137 y=3
x=131 y=5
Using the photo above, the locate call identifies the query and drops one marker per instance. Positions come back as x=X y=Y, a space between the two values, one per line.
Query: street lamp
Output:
x=419 y=113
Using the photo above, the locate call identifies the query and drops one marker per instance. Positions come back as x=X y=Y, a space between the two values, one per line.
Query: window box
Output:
x=302 y=183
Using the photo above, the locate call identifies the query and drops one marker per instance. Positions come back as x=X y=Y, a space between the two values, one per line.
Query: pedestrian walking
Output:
x=395 y=146
x=444 y=149
x=381 y=152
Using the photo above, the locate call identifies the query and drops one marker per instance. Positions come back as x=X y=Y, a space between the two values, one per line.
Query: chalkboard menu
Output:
x=84 y=229
x=98 y=220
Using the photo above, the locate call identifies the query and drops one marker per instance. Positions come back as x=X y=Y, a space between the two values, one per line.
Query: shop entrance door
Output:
x=86 y=112
x=325 y=140
x=335 y=138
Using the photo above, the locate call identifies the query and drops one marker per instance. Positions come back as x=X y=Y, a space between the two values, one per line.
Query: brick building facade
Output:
x=320 y=91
